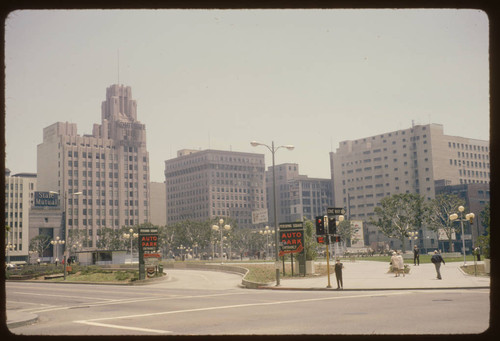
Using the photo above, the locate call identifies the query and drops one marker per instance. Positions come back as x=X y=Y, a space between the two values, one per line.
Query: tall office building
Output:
x=412 y=160
x=19 y=190
x=110 y=168
x=209 y=184
x=297 y=196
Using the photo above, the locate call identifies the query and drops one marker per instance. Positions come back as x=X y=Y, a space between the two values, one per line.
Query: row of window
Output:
x=456 y=145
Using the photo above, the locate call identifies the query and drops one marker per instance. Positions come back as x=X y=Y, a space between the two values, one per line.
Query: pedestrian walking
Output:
x=338 y=273
x=437 y=259
x=416 y=255
x=395 y=264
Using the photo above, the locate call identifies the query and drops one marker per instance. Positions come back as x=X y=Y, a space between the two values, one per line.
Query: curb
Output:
x=368 y=289
x=28 y=319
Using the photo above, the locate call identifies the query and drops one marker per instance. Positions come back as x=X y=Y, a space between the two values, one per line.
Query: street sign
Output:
x=335 y=211
x=291 y=237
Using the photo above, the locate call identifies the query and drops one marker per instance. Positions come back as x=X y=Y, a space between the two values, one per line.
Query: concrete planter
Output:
x=487 y=265
x=309 y=267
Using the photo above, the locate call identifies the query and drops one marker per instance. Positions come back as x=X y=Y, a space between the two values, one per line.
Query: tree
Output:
x=39 y=244
x=484 y=241
x=399 y=214
x=437 y=214
x=346 y=231
x=109 y=239
x=310 y=243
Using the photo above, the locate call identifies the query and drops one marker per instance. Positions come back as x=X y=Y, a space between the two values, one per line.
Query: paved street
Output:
x=213 y=303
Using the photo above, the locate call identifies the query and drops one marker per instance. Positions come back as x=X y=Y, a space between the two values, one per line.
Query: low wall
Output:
x=215 y=267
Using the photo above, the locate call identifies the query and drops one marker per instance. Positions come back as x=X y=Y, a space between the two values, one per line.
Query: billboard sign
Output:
x=259 y=216
x=46 y=199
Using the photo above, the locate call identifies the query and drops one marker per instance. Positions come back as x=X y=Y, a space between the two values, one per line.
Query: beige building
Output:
x=208 y=184
x=19 y=196
x=158 y=203
x=297 y=196
x=110 y=168
x=412 y=160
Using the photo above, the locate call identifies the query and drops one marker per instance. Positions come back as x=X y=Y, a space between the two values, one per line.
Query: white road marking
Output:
x=125 y=327
x=124 y=301
x=226 y=307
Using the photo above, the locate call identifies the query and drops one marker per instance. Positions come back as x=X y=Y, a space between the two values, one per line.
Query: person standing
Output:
x=437 y=259
x=401 y=263
x=338 y=274
x=395 y=264
x=416 y=255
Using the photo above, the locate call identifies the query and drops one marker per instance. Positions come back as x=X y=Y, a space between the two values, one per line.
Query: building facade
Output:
x=102 y=178
x=297 y=196
x=476 y=197
x=412 y=160
x=208 y=184
x=19 y=196
x=158 y=203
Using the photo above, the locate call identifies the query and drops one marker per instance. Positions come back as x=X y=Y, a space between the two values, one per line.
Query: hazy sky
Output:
x=222 y=78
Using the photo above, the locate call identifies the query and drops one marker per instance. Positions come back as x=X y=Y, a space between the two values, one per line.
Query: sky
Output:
x=220 y=79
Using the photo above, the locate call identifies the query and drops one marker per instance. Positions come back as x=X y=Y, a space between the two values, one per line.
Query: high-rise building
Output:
x=19 y=190
x=209 y=184
x=108 y=169
x=158 y=203
x=411 y=160
x=297 y=196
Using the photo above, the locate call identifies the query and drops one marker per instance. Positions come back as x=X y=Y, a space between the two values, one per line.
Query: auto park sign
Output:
x=148 y=250
x=291 y=237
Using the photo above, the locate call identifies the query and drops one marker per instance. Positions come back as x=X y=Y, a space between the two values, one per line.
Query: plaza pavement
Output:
x=372 y=275
x=357 y=275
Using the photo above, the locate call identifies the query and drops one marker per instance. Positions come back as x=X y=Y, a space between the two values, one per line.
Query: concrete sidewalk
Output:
x=372 y=275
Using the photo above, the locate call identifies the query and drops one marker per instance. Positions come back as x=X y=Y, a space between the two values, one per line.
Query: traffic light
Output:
x=320 y=226
x=332 y=225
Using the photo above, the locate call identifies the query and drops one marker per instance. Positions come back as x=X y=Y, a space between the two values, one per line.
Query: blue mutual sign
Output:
x=46 y=199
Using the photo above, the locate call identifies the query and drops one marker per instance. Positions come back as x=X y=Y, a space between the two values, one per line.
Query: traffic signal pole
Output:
x=327 y=252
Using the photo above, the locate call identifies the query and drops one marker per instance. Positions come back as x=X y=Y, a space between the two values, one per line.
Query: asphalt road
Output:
x=212 y=303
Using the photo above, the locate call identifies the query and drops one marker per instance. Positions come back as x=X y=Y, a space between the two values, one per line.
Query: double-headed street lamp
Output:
x=273 y=150
x=9 y=247
x=266 y=232
x=130 y=235
x=468 y=217
x=55 y=242
x=220 y=227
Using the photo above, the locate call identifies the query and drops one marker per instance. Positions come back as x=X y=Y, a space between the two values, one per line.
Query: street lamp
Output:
x=9 y=247
x=64 y=210
x=182 y=247
x=266 y=232
x=412 y=235
x=130 y=235
x=217 y=228
x=273 y=150
x=468 y=217
x=56 y=242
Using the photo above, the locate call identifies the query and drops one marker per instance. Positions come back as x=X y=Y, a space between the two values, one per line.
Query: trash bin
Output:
x=160 y=269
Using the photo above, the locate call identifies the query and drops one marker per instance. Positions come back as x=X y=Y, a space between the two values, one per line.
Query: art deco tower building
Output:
x=108 y=169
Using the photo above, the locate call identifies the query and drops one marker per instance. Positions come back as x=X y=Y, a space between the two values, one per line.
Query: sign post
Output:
x=148 y=249
x=292 y=241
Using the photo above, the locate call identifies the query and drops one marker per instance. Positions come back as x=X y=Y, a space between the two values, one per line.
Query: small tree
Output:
x=39 y=244
x=310 y=243
x=399 y=214
x=484 y=241
x=437 y=214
